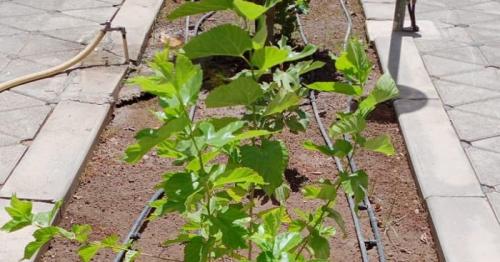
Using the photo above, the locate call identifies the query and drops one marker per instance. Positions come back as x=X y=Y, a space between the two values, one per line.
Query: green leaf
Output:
x=42 y=236
x=384 y=90
x=355 y=184
x=354 y=63
x=221 y=137
x=224 y=40
x=348 y=124
x=249 y=10
x=239 y=175
x=45 y=219
x=178 y=188
x=234 y=235
x=331 y=213
x=251 y=134
x=260 y=37
x=148 y=138
x=282 y=102
x=188 y=80
x=324 y=191
x=203 y=6
x=285 y=242
x=81 y=232
x=307 y=51
x=319 y=245
x=381 y=144
x=86 y=253
x=20 y=213
x=341 y=88
x=131 y=255
x=310 y=145
x=195 y=250
x=242 y=91
x=269 y=160
x=154 y=86
x=273 y=219
x=268 y=57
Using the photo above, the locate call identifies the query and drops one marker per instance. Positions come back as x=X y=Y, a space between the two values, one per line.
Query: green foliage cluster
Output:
x=226 y=161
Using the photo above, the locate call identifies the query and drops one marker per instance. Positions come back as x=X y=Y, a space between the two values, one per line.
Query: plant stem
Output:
x=250 y=243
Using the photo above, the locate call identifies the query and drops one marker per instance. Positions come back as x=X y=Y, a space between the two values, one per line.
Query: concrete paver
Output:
x=48 y=169
x=454 y=139
x=467 y=227
x=10 y=157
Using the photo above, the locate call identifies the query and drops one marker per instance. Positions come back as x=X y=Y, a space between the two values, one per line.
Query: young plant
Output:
x=226 y=161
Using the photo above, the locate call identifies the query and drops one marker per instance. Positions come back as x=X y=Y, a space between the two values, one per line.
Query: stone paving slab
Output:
x=454 y=138
x=439 y=162
x=56 y=156
x=467 y=228
x=12 y=247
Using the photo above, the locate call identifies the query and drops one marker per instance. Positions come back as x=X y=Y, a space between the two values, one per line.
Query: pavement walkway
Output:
x=48 y=127
x=449 y=112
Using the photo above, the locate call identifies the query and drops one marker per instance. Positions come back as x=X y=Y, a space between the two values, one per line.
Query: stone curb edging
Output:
x=51 y=165
x=464 y=224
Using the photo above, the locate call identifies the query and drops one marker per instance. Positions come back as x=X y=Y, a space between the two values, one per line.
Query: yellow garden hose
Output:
x=56 y=69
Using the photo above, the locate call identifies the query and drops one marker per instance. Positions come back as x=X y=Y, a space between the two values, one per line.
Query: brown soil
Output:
x=112 y=193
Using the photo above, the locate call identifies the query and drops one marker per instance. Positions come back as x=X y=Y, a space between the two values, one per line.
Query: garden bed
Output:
x=112 y=193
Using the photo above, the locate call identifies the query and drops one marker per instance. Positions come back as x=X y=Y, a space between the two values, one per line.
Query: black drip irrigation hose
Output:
x=363 y=244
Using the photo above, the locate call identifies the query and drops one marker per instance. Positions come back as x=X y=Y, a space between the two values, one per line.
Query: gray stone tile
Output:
x=28 y=23
x=12 y=45
x=10 y=157
x=486 y=31
x=439 y=161
x=47 y=89
x=457 y=16
x=11 y=101
x=491 y=144
x=494 y=199
x=492 y=54
x=486 y=7
x=56 y=156
x=487 y=78
x=489 y=108
x=467 y=54
x=6 y=140
x=429 y=45
x=131 y=16
x=472 y=126
x=376 y=29
x=466 y=228
x=93 y=85
x=454 y=94
x=13 y=243
x=6 y=30
x=19 y=67
x=81 y=34
x=23 y=123
x=486 y=165
x=40 y=44
x=98 y=15
x=438 y=66
x=53 y=58
x=379 y=11
x=13 y=9
x=63 y=5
